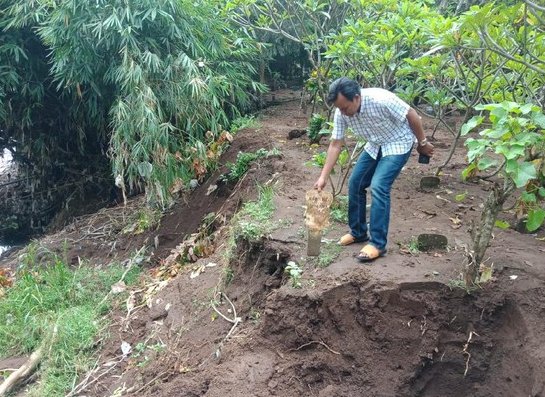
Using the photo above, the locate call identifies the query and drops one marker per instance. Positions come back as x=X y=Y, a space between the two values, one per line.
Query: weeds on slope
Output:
x=60 y=310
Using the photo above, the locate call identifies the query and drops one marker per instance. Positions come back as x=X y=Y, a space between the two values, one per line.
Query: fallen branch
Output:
x=319 y=342
x=29 y=366
x=83 y=385
x=22 y=372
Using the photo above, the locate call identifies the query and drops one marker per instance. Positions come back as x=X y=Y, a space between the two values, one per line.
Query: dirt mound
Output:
x=361 y=338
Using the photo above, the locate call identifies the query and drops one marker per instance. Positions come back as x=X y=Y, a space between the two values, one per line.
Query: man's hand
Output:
x=320 y=184
x=333 y=151
x=426 y=149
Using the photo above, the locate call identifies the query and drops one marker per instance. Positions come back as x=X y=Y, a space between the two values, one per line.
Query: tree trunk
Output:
x=482 y=233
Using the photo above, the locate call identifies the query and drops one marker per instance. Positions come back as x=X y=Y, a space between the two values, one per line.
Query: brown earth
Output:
x=397 y=327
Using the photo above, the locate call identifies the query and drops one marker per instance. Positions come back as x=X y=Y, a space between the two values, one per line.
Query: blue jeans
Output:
x=380 y=175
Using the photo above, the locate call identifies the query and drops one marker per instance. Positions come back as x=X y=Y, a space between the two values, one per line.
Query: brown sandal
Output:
x=348 y=239
x=369 y=253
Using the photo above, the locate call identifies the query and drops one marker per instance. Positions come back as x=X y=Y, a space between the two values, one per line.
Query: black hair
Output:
x=348 y=87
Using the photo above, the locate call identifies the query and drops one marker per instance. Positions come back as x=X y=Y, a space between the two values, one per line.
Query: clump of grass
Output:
x=243 y=122
x=460 y=284
x=328 y=254
x=243 y=161
x=251 y=223
x=411 y=246
x=62 y=306
x=144 y=219
x=143 y=352
x=228 y=275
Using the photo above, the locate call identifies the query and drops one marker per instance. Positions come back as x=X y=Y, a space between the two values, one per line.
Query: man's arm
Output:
x=415 y=122
x=335 y=147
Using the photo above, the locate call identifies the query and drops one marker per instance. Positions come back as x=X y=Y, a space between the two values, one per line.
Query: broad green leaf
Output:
x=527 y=108
x=541 y=192
x=511 y=166
x=498 y=132
x=522 y=173
x=510 y=106
x=528 y=138
x=344 y=157
x=498 y=114
x=510 y=151
x=485 y=163
x=535 y=219
x=471 y=123
x=488 y=106
x=476 y=148
x=528 y=197
x=539 y=119
x=502 y=224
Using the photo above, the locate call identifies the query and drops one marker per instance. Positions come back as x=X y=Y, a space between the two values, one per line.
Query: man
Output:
x=390 y=127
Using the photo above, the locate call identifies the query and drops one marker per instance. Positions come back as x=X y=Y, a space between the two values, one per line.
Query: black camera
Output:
x=423 y=159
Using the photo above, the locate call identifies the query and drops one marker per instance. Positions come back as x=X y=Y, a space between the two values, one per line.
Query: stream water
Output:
x=5 y=159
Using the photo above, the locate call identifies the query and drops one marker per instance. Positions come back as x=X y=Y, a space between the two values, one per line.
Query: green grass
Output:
x=243 y=122
x=460 y=284
x=144 y=219
x=62 y=308
x=228 y=275
x=328 y=254
x=339 y=209
x=243 y=162
x=411 y=246
x=253 y=221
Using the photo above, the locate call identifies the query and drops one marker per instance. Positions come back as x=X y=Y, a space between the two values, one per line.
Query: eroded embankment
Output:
x=356 y=337
x=360 y=338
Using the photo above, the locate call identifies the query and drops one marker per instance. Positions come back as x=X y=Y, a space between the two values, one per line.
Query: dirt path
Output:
x=393 y=328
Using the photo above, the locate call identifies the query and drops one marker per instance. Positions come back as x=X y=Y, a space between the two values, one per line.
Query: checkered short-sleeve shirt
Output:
x=381 y=121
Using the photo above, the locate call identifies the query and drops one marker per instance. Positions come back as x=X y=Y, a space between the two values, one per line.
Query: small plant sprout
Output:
x=410 y=246
x=294 y=272
x=315 y=128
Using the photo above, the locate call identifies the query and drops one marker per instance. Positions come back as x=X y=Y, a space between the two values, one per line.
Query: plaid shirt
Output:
x=381 y=121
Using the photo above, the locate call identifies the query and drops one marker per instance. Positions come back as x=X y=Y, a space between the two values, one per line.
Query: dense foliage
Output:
x=142 y=81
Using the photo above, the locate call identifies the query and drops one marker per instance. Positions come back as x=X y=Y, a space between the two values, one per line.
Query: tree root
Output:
x=319 y=342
